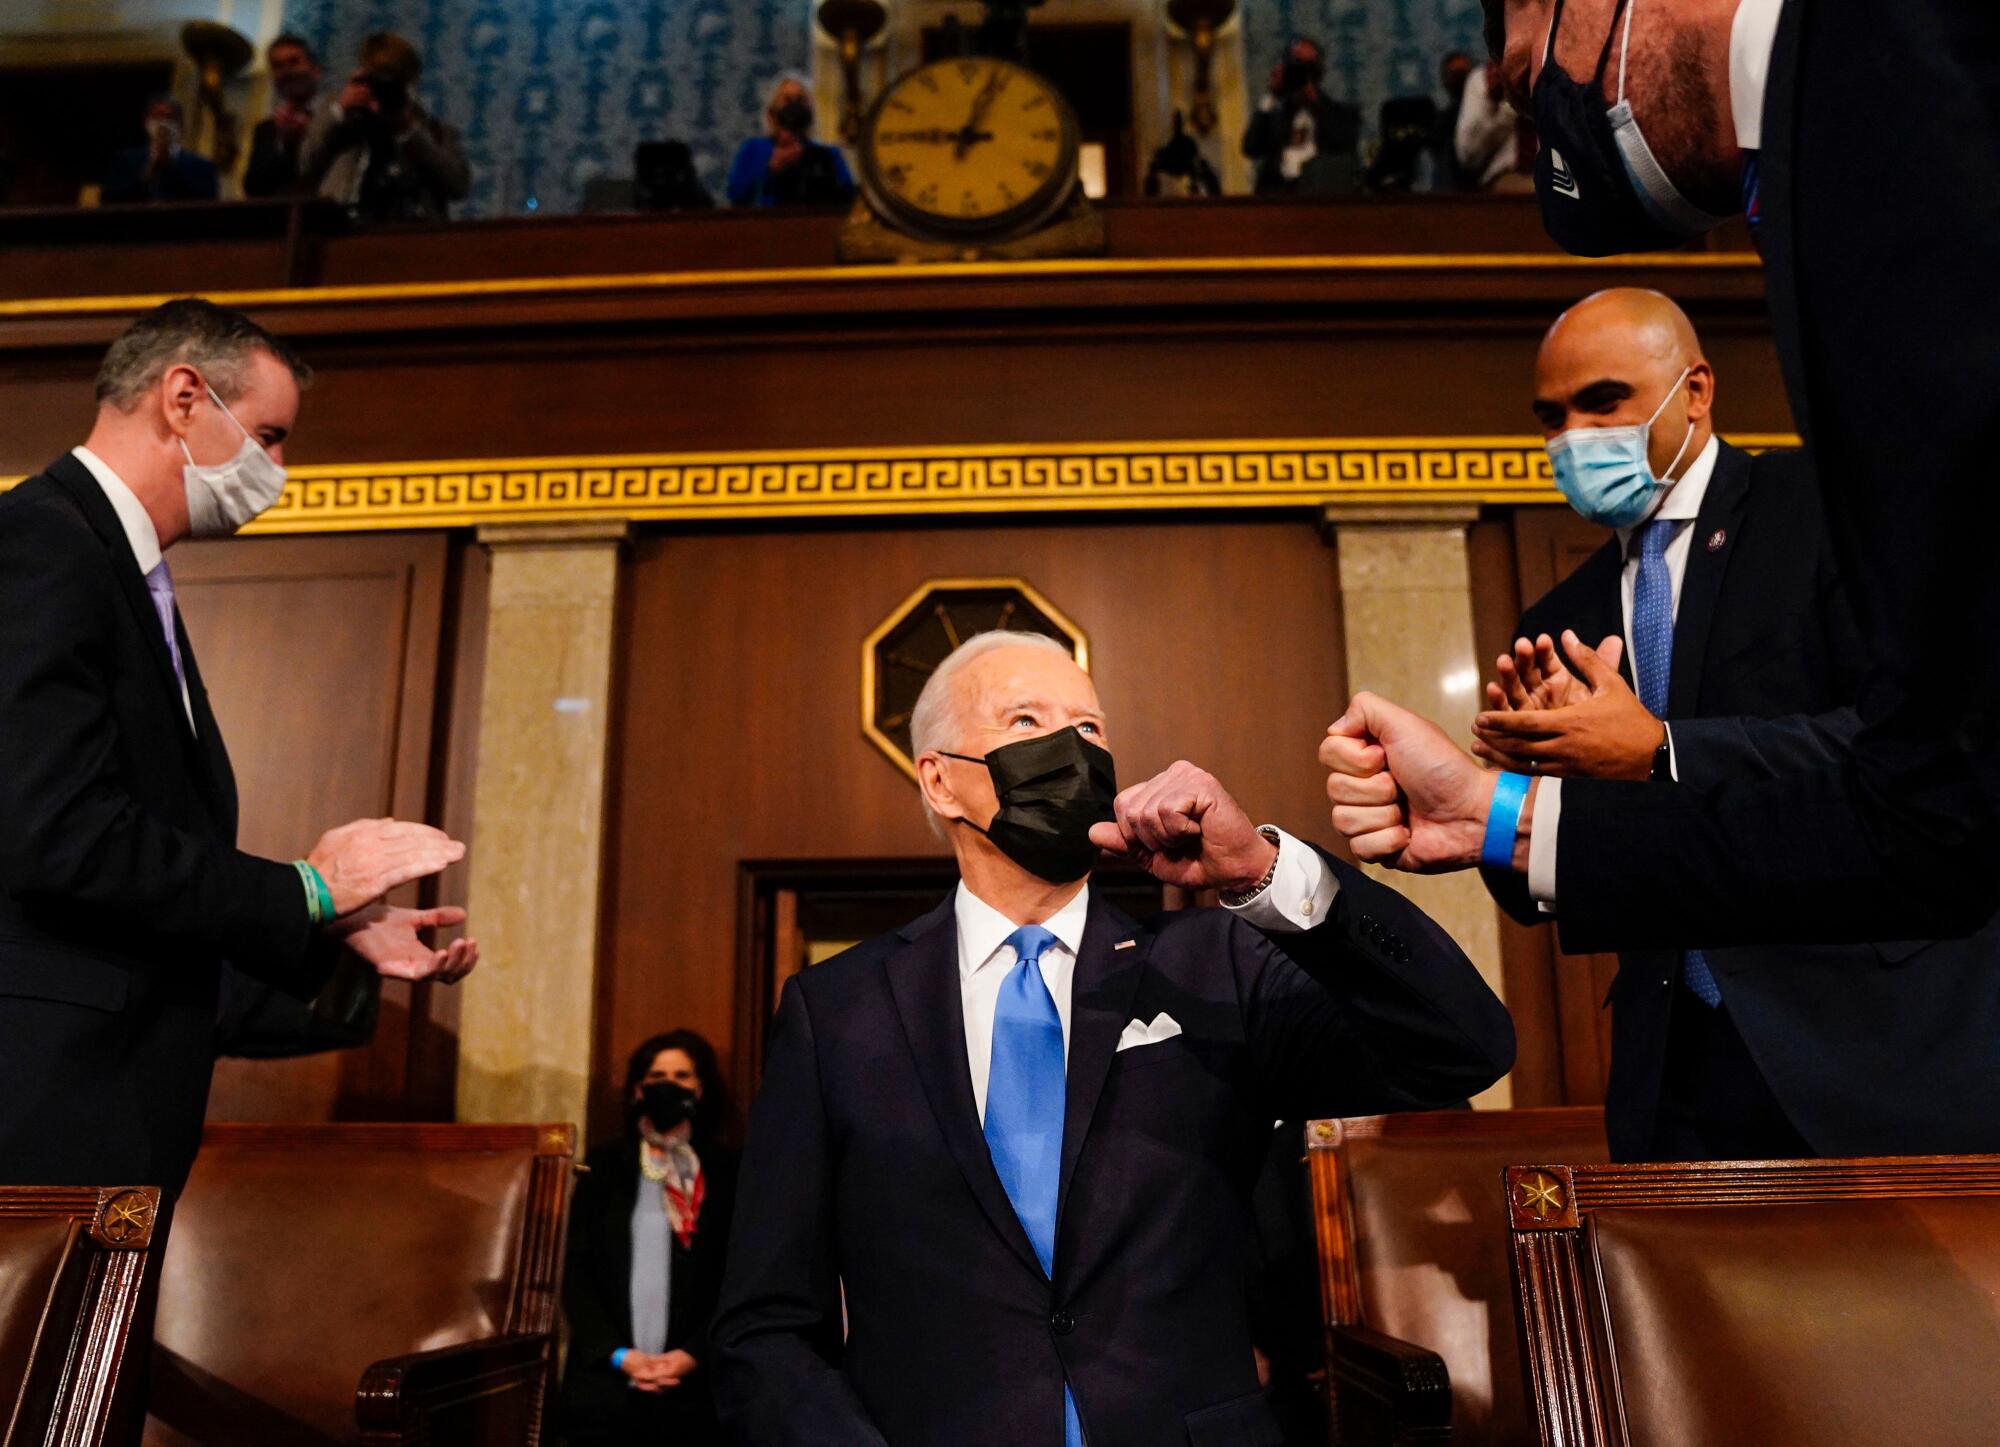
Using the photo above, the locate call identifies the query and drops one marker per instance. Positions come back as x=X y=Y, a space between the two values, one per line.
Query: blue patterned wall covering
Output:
x=550 y=93
x=1375 y=49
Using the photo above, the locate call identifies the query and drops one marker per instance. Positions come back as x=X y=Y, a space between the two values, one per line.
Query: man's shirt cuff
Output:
x=1299 y=895
x=1542 y=844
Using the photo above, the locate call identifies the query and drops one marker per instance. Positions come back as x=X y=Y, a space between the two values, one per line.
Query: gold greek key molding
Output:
x=960 y=480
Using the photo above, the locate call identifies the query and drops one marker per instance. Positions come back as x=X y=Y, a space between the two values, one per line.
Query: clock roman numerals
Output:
x=1035 y=102
x=1038 y=169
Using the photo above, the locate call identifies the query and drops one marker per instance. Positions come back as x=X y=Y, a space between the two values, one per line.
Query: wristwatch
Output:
x=1235 y=900
x=1663 y=759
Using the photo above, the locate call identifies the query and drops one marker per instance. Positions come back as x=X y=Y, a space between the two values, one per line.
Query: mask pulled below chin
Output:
x=1051 y=790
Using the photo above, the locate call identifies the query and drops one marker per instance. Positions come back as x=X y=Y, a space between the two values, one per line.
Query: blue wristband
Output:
x=1503 y=821
x=618 y=1359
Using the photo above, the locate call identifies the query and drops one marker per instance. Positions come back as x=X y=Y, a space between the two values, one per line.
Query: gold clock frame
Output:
x=897 y=616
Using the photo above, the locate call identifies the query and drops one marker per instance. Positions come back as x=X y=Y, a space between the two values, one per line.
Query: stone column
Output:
x=1406 y=602
x=525 y=1023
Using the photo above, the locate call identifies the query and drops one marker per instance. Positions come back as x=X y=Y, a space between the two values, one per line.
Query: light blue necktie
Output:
x=1653 y=652
x=160 y=585
x=1026 y=1085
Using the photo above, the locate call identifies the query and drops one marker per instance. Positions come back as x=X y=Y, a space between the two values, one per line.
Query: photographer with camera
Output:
x=788 y=167
x=1302 y=140
x=377 y=151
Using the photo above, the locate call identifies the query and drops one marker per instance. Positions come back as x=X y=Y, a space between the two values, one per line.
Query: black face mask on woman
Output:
x=1051 y=790
x=666 y=1104
x=1600 y=188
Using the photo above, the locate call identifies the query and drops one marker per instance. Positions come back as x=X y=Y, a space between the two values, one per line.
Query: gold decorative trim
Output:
x=750 y=277
x=1079 y=647
x=891 y=481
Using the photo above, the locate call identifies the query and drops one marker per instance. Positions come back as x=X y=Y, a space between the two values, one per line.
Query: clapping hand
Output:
x=386 y=936
x=1183 y=828
x=1544 y=719
x=363 y=861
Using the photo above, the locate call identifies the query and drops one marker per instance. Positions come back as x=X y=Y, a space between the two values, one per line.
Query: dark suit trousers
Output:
x=1714 y=1102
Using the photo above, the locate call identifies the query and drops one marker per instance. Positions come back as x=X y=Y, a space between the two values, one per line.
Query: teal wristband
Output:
x=618 y=1359
x=319 y=899
x=1503 y=821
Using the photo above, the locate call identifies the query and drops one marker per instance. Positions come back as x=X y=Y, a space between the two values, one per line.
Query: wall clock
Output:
x=900 y=654
x=969 y=157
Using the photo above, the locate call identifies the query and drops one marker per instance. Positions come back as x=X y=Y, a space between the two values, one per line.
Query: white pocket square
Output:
x=1164 y=1027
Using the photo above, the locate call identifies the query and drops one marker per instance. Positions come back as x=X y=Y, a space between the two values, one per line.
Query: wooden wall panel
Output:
x=739 y=735
x=321 y=659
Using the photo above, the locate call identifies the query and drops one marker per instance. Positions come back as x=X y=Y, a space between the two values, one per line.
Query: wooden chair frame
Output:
x=74 y=1378
x=1384 y=1390
x=1558 y=1301
x=433 y=1396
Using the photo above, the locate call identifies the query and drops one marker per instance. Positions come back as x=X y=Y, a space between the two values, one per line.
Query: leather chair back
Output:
x=1771 y=1302
x=1412 y=1234
x=73 y=1260
x=302 y=1254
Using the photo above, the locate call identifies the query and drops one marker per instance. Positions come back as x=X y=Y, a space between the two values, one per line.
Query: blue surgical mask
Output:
x=1605 y=472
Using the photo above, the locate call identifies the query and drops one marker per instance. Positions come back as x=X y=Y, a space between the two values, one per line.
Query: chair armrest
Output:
x=486 y=1391
x=1386 y=1392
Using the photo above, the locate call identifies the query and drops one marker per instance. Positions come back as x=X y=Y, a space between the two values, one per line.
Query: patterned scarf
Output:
x=678 y=1170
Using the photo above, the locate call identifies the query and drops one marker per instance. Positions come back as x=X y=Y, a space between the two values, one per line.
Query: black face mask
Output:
x=796 y=116
x=666 y=1104
x=1051 y=790
x=1601 y=190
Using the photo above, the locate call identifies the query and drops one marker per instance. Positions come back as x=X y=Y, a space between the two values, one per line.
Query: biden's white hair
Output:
x=938 y=721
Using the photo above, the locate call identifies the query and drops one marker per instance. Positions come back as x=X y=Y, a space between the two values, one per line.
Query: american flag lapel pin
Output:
x=1124 y=944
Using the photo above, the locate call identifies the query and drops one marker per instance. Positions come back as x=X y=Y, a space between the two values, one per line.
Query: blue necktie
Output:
x=160 y=586
x=1653 y=654
x=1026 y=1086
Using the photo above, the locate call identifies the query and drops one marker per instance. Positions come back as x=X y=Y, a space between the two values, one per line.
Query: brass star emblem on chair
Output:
x=126 y=1216
x=1541 y=1194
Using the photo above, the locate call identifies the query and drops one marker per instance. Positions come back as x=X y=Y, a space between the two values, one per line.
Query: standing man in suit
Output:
x=123 y=898
x=1860 y=141
x=997 y=1183
x=1729 y=653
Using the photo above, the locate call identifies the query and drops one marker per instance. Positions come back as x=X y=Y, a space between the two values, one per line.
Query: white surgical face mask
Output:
x=223 y=497
x=1606 y=472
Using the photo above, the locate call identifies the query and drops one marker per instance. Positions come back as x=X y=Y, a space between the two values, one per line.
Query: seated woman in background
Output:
x=788 y=167
x=648 y=1231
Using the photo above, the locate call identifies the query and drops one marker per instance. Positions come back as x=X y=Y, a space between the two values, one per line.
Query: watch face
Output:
x=969 y=147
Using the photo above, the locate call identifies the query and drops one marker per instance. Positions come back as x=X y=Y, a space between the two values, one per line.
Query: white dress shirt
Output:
x=1298 y=897
x=1752 y=34
x=1682 y=504
x=138 y=525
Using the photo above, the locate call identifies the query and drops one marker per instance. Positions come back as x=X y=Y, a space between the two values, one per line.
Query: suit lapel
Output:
x=1604 y=602
x=1101 y=996
x=215 y=757
x=75 y=479
x=923 y=979
x=1701 y=583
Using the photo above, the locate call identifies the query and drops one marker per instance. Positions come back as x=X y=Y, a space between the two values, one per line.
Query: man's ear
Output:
x=1700 y=391
x=180 y=390
x=936 y=788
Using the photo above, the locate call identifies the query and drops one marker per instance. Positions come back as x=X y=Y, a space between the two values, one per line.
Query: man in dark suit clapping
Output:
x=996 y=1187
x=1729 y=653
x=123 y=898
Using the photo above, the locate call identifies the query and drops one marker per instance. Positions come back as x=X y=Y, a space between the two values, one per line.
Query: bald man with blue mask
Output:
x=1728 y=652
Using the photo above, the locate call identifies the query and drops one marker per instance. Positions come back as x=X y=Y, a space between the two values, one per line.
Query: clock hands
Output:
x=981 y=103
x=936 y=136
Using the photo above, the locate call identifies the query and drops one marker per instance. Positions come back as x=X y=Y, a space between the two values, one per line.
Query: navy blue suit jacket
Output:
x=868 y=1195
x=1873 y=1049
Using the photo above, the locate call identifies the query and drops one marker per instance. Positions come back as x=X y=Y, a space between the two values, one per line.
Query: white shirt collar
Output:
x=1752 y=35
x=132 y=514
x=982 y=929
x=1683 y=500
